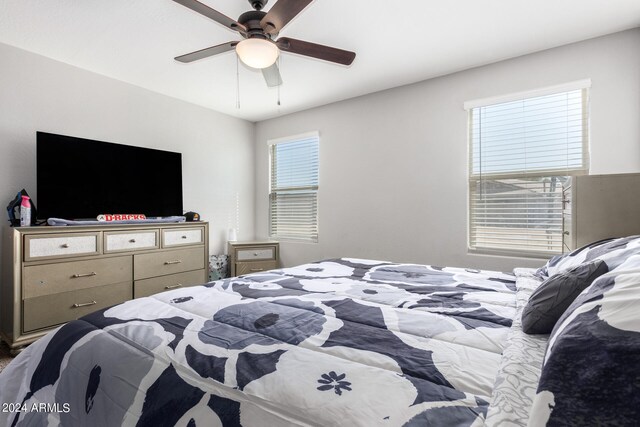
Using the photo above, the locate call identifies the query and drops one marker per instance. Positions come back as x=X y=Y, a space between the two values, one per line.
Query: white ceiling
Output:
x=397 y=42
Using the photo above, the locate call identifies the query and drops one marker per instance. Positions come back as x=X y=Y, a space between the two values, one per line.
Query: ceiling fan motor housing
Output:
x=251 y=20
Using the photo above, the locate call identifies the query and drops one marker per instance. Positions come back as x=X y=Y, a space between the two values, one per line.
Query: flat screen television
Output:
x=81 y=179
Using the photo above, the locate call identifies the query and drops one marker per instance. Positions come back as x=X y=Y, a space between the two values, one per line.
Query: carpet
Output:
x=5 y=357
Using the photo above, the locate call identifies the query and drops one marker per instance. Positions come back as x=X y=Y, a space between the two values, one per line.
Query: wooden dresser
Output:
x=251 y=257
x=52 y=275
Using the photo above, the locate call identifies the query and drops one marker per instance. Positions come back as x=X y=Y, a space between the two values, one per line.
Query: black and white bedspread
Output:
x=339 y=342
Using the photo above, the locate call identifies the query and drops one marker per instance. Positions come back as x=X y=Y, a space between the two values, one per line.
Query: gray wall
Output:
x=393 y=165
x=39 y=94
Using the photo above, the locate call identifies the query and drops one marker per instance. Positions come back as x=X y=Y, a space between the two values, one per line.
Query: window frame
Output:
x=316 y=189
x=474 y=179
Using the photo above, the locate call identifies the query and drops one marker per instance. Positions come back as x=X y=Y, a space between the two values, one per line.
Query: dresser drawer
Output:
x=167 y=262
x=45 y=246
x=251 y=254
x=146 y=287
x=51 y=310
x=182 y=236
x=130 y=241
x=50 y=279
x=254 y=267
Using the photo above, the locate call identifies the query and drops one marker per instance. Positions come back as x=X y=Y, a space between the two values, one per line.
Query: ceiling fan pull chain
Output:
x=237 y=82
x=280 y=68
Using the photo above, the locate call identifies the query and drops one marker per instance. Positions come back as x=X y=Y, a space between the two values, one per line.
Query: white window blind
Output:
x=521 y=154
x=293 y=195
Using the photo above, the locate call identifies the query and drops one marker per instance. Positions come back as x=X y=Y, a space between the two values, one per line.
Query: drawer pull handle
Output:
x=93 y=273
x=132 y=241
x=184 y=237
x=64 y=246
x=178 y=261
x=177 y=285
x=255 y=254
x=84 y=304
x=257 y=269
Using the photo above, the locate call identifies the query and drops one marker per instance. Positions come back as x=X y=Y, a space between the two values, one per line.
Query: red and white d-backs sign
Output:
x=120 y=217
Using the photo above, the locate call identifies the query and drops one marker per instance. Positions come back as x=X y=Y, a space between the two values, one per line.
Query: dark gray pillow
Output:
x=555 y=295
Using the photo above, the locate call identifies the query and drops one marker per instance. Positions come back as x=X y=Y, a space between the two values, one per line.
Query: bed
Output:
x=337 y=342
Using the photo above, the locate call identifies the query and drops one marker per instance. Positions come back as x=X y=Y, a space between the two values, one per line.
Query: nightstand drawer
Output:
x=167 y=262
x=182 y=237
x=146 y=287
x=51 y=310
x=252 y=257
x=255 y=254
x=43 y=246
x=50 y=279
x=128 y=241
x=254 y=267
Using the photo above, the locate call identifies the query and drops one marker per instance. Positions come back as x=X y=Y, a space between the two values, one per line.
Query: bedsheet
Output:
x=519 y=372
x=337 y=342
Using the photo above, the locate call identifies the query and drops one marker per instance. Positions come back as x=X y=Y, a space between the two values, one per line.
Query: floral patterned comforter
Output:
x=338 y=342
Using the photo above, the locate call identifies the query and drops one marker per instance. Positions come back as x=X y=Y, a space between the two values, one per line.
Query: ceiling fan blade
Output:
x=313 y=50
x=272 y=76
x=220 y=18
x=281 y=13
x=207 y=52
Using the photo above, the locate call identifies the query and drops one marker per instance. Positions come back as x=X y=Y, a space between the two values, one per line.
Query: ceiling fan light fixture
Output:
x=257 y=53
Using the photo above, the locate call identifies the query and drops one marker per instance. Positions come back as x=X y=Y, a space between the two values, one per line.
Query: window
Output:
x=521 y=152
x=293 y=192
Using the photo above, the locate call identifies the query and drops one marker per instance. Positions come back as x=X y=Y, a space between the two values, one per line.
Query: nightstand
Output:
x=251 y=257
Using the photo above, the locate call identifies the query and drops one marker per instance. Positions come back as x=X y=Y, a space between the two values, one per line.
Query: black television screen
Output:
x=80 y=179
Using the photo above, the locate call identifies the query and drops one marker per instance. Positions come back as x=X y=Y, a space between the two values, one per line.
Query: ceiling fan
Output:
x=260 y=46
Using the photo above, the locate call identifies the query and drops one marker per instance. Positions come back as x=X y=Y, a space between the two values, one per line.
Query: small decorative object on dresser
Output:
x=52 y=275
x=251 y=257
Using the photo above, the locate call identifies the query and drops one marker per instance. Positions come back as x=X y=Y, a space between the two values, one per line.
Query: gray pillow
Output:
x=555 y=295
